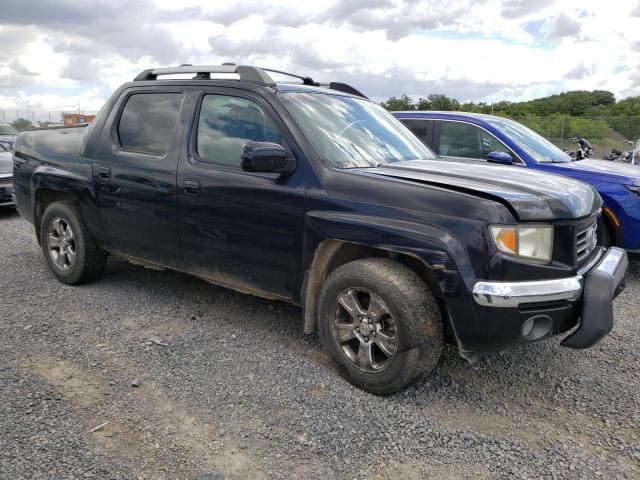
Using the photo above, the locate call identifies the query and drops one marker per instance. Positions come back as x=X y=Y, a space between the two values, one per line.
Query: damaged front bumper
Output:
x=595 y=289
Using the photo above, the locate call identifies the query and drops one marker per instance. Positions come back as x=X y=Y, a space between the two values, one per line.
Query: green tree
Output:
x=442 y=102
x=399 y=104
x=22 y=124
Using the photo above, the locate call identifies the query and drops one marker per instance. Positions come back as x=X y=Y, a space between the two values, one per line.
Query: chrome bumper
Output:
x=513 y=294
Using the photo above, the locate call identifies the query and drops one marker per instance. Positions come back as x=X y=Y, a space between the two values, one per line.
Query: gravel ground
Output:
x=199 y=382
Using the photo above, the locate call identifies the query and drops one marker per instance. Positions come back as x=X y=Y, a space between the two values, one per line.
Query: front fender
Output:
x=432 y=244
x=444 y=256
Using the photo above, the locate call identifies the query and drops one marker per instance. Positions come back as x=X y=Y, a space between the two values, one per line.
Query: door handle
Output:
x=104 y=173
x=191 y=187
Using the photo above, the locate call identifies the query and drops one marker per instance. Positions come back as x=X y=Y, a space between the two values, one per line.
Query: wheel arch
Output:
x=43 y=198
x=332 y=253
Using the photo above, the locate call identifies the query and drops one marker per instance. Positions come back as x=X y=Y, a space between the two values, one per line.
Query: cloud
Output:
x=17 y=66
x=576 y=73
x=397 y=19
x=519 y=8
x=129 y=29
x=82 y=69
x=474 y=50
x=562 y=26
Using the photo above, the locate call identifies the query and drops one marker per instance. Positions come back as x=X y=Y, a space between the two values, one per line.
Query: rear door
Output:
x=134 y=173
x=238 y=228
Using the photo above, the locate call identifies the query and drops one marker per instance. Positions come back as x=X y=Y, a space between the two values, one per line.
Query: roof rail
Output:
x=245 y=72
x=338 y=86
x=346 y=88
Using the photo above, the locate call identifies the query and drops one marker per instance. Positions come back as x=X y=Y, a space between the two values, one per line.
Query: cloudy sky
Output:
x=57 y=54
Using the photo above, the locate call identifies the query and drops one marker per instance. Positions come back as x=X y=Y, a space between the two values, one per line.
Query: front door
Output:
x=240 y=229
x=134 y=173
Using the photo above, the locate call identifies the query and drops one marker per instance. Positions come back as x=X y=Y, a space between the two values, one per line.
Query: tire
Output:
x=405 y=316
x=71 y=252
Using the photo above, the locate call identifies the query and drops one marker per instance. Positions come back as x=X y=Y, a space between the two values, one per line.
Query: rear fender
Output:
x=51 y=180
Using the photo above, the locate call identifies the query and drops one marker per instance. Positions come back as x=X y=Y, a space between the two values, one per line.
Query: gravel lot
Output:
x=229 y=387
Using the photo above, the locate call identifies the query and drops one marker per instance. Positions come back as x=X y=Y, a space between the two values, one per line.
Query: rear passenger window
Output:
x=226 y=124
x=148 y=122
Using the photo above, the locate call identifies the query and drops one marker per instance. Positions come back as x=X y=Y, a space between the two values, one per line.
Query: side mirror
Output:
x=266 y=157
x=500 y=157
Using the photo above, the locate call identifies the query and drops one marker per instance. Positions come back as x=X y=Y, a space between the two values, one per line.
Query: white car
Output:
x=8 y=133
x=6 y=175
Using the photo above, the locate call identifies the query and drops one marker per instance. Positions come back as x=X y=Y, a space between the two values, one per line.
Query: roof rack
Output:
x=245 y=72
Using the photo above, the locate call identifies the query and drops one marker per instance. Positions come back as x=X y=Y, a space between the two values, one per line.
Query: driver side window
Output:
x=459 y=139
x=226 y=123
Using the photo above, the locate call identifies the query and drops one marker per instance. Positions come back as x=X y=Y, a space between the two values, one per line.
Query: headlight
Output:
x=634 y=189
x=535 y=242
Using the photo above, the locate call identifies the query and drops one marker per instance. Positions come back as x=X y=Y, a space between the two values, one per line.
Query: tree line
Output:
x=589 y=114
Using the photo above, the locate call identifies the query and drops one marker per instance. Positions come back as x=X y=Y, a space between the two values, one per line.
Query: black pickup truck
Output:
x=317 y=196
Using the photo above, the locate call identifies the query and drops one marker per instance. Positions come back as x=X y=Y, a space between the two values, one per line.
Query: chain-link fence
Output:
x=603 y=132
x=28 y=118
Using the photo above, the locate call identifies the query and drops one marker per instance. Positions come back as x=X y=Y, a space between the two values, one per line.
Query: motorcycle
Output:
x=584 y=150
x=621 y=156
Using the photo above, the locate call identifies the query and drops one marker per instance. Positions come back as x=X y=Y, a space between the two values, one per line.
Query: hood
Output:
x=626 y=171
x=6 y=162
x=530 y=195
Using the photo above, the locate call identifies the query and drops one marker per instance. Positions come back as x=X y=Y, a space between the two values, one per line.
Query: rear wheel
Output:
x=380 y=324
x=72 y=254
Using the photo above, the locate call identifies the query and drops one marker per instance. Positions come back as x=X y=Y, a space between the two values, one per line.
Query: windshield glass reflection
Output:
x=349 y=132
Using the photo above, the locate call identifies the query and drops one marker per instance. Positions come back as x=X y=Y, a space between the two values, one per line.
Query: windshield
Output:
x=541 y=149
x=8 y=130
x=350 y=132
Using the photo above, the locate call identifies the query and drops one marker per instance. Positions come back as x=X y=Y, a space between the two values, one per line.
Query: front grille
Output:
x=586 y=240
x=6 y=180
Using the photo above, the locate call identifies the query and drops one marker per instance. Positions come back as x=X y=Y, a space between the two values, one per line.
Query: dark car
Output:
x=317 y=196
x=8 y=133
x=6 y=175
x=477 y=138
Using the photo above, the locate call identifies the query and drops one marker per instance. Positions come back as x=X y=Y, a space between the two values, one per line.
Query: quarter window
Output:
x=226 y=123
x=148 y=122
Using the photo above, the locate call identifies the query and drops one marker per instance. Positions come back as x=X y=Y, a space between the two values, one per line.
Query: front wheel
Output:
x=380 y=323
x=70 y=250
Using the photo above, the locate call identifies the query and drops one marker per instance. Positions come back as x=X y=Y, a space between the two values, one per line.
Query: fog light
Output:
x=537 y=327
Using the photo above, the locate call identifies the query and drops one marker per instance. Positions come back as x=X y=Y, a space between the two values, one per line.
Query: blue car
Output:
x=471 y=137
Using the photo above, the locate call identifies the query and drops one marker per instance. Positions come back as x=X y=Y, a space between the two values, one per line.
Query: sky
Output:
x=67 y=54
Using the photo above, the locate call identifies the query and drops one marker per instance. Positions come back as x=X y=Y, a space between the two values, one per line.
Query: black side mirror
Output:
x=266 y=157
x=500 y=157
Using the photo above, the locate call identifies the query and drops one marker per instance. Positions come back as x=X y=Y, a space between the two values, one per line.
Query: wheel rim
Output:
x=62 y=243
x=365 y=330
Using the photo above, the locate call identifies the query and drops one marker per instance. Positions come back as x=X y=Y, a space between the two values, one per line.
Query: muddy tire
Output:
x=70 y=250
x=380 y=323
